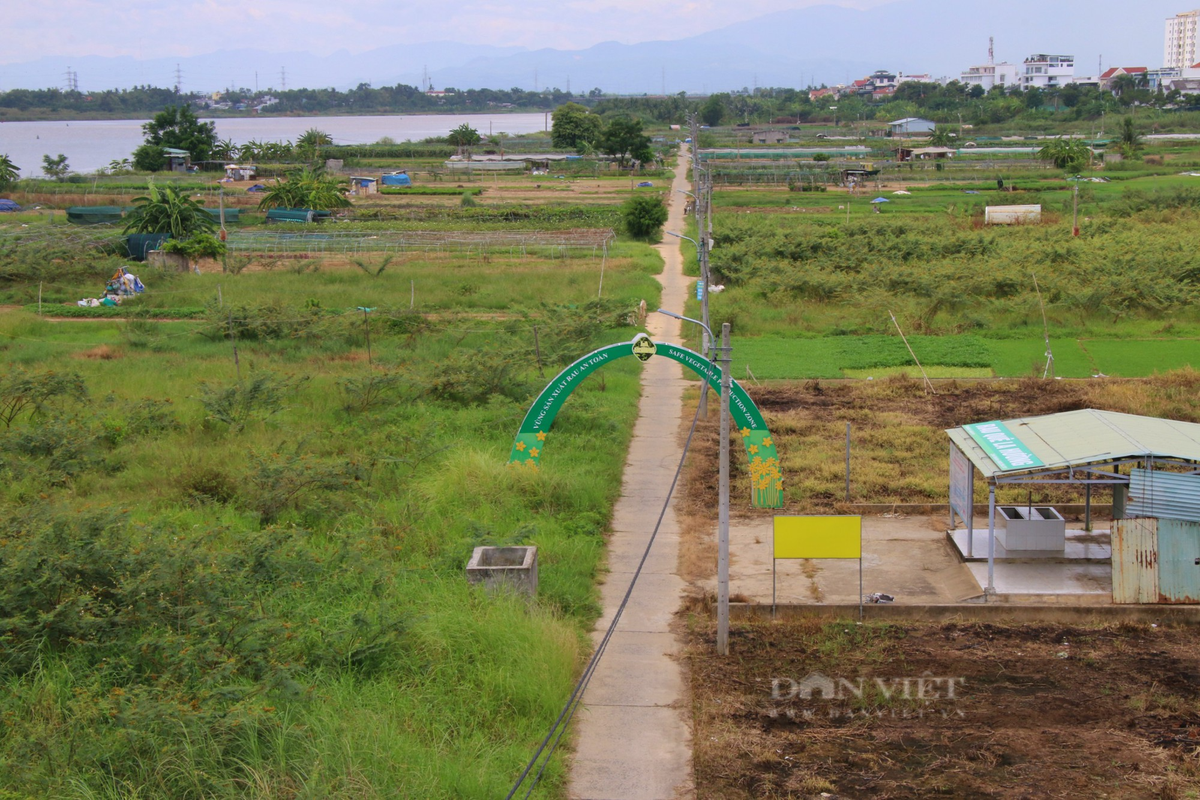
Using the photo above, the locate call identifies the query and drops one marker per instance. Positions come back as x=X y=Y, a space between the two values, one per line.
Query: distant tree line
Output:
x=953 y=102
x=361 y=99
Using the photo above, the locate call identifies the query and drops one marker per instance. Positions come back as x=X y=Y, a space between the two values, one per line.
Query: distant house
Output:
x=1184 y=85
x=362 y=186
x=240 y=172
x=987 y=76
x=925 y=153
x=1111 y=74
x=177 y=160
x=911 y=126
x=1043 y=71
x=769 y=137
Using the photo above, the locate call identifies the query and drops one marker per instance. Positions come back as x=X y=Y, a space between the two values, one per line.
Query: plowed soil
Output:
x=1038 y=712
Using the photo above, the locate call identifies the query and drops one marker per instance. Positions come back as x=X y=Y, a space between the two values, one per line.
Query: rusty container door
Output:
x=1135 y=560
x=1178 y=561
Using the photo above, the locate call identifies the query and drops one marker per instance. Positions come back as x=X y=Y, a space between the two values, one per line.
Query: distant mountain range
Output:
x=821 y=44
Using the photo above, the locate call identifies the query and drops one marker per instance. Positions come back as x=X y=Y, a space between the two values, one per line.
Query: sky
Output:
x=179 y=28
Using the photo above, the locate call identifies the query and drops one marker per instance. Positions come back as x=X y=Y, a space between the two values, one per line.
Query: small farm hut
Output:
x=1151 y=466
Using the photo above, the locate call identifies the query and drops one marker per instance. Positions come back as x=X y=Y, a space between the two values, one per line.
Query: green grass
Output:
x=463 y=282
x=365 y=665
x=778 y=358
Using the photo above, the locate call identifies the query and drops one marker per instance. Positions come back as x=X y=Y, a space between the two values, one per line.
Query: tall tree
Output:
x=55 y=167
x=463 y=136
x=178 y=127
x=573 y=126
x=623 y=138
x=311 y=141
x=713 y=110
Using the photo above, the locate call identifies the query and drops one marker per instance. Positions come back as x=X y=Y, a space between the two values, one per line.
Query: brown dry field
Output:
x=1039 y=712
x=899 y=452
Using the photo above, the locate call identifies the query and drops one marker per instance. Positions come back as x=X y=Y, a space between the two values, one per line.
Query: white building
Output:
x=990 y=75
x=911 y=126
x=1048 y=72
x=1179 y=45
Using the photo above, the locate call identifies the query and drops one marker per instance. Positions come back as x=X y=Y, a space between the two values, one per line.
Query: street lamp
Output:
x=702 y=248
x=723 y=362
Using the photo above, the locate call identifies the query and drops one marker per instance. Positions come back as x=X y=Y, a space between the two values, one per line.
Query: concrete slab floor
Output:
x=1081 y=546
x=906 y=557
x=1026 y=578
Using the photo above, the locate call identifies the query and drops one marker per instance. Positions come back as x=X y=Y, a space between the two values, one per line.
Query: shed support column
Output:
x=990 y=591
x=1087 y=508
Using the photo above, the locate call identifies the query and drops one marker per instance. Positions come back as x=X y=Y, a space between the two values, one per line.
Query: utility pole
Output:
x=283 y=79
x=723 y=360
x=178 y=78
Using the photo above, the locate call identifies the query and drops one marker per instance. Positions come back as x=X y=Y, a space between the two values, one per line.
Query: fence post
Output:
x=847 y=462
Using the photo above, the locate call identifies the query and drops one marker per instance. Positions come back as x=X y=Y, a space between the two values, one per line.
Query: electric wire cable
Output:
x=576 y=698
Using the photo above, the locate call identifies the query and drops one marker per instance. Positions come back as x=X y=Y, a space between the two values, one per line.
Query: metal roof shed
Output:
x=1088 y=447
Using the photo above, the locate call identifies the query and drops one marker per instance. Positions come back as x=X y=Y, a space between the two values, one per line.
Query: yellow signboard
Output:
x=818 y=537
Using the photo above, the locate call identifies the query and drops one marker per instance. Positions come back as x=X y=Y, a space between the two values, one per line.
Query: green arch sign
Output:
x=766 y=476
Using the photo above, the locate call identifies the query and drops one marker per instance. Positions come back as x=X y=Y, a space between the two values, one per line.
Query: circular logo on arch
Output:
x=643 y=347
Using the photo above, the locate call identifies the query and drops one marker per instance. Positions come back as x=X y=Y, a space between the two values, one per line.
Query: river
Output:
x=90 y=145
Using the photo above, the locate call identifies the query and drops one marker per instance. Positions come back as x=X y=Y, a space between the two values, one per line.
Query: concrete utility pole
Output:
x=723 y=360
x=703 y=198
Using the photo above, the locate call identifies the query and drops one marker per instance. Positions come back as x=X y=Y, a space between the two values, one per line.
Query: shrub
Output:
x=372 y=390
x=643 y=217
x=168 y=210
x=24 y=393
x=240 y=403
x=203 y=245
x=469 y=376
x=278 y=481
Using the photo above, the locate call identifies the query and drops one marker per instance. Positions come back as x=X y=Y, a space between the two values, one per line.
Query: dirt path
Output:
x=633 y=739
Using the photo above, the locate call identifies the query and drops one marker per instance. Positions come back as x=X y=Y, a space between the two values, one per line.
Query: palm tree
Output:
x=225 y=150
x=167 y=210
x=940 y=137
x=463 y=136
x=1130 y=138
x=306 y=188
x=1069 y=154
x=10 y=173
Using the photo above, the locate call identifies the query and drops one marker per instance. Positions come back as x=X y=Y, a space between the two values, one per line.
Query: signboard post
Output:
x=817 y=537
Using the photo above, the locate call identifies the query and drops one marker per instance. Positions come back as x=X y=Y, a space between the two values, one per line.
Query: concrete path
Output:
x=633 y=738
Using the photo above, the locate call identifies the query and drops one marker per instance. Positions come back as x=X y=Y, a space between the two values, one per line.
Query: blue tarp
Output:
x=8 y=205
x=396 y=180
